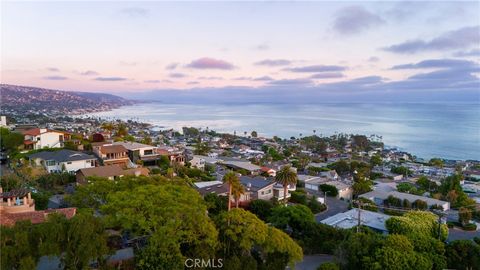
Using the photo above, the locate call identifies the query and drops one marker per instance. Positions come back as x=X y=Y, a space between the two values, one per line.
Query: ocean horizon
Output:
x=426 y=130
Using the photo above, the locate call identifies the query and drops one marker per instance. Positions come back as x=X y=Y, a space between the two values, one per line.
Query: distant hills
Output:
x=21 y=99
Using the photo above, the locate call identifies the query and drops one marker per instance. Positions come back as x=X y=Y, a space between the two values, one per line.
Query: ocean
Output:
x=449 y=131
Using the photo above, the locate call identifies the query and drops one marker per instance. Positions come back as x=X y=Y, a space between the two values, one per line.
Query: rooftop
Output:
x=349 y=219
x=63 y=155
x=133 y=145
x=384 y=195
x=255 y=183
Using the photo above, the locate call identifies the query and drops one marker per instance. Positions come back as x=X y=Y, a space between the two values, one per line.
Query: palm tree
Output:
x=285 y=177
x=237 y=191
x=232 y=180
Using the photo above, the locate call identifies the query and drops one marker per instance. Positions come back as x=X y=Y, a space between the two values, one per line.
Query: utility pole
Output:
x=359 y=216
x=325 y=198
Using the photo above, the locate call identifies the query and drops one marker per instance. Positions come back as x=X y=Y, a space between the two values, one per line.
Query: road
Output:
x=311 y=262
x=459 y=234
x=334 y=206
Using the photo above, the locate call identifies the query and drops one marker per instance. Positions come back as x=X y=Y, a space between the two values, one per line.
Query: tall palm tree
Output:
x=285 y=177
x=237 y=191
x=232 y=180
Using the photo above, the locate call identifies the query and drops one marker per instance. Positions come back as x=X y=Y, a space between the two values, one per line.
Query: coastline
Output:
x=228 y=119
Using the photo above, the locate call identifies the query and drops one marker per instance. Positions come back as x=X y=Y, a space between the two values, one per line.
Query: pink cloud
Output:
x=210 y=63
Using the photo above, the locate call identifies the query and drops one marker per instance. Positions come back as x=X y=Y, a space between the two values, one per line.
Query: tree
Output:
x=328 y=266
x=417 y=225
x=463 y=254
x=376 y=160
x=401 y=170
x=241 y=231
x=175 y=216
x=332 y=191
x=294 y=217
x=254 y=134
x=420 y=204
x=261 y=208
x=286 y=176
x=237 y=192
x=464 y=215
x=398 y=254
x=437 y=162
x=215 y=204
x=85 y=241
x=122 y=130
x=10 y=141
x=231 y=178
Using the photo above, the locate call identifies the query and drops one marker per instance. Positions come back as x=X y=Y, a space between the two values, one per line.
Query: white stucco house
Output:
x=39 y=138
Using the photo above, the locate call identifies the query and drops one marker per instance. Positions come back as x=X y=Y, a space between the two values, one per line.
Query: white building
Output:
x=3 y=121
x=349 y=219
x=38 y=138
x=63 y=160
x=198 y=162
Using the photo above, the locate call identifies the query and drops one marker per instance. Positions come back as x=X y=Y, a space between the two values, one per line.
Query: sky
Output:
x=414 y=49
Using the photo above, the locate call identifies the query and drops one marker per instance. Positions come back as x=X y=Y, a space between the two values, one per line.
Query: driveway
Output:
x=311 y=262
x=334 y=206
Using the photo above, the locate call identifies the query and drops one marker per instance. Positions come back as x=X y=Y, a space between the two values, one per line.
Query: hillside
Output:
x=20 y=99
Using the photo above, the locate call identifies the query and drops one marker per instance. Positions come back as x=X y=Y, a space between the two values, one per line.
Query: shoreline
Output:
x=153 y=125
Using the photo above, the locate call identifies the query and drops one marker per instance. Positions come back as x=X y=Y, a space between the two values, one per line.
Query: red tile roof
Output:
x=9 y=219
x=36 y=131
x=27 y=142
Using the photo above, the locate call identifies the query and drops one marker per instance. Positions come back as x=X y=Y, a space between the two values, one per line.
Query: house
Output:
x=112 y=154
x=174 y=155
x=110 y=172
x=257 y=188
x=17 y=205
x=63 y=160
x=379 y=196
x=207 y=187
x=345 y=190
x=197 y=162
x=242 y=165
x=139 y=151
x=347 y=220
x=268 y=171
x=38 y=138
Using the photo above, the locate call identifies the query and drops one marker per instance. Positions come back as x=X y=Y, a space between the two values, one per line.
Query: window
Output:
x=263 y=192
x=148 y=152
x=92 y=163
x=69 y=162
x=50 y=163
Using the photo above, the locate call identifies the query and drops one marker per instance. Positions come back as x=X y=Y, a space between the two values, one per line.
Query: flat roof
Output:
x=133 y=145
x=349 y=219
x=411 y=197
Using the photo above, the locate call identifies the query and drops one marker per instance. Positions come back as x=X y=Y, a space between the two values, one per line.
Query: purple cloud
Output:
x=110 y=79
x=193 y=82
x=171 y=66
x=458 y=39
x=55 y=78
x=327 y=75
x=262 y=47
x=273 y=62
x=355 y=19
x=152 y=81
x=210 y=78
x=210 y=63
x=373 y=59
x=439 y=63
x=263 y=78
x=53 y=69
x=89 y=73
x=316 y=68
x=177 y=75
x=292 y=82
x=474 y=52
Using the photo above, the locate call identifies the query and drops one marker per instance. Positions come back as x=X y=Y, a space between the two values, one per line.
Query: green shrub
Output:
x=470 y=227
x=328 y=266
